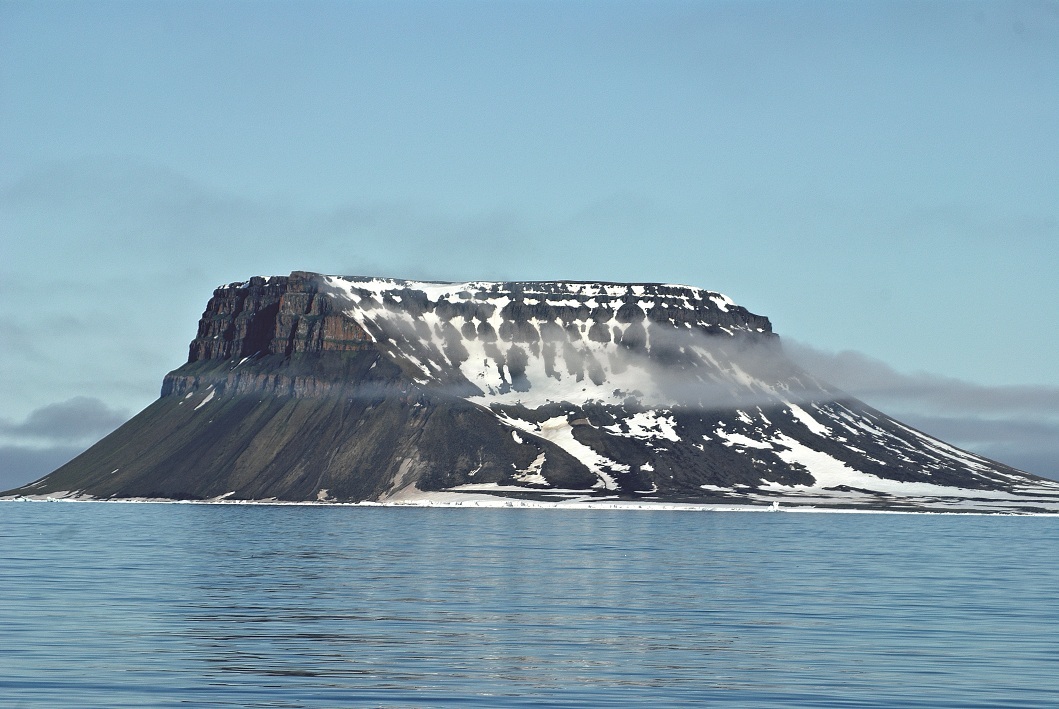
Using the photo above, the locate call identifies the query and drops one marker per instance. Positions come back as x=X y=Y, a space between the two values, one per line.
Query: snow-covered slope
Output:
x=661 y=373
x=535 y=343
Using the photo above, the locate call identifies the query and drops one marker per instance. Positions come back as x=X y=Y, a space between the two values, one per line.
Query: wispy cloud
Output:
x=77 y=420
x=865 y=376
x=1016 y=425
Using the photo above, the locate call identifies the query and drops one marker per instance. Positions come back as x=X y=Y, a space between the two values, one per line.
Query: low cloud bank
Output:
x=77 y=420
x=20 y=465
x=51 y=436
x=1015 y=425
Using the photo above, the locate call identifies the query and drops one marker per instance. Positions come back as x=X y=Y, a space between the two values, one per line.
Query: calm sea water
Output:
x=174 y=605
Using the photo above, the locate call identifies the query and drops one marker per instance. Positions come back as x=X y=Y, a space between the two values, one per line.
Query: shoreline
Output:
x=493 y=502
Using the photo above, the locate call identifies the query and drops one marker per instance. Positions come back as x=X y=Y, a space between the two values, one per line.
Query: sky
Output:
x=880 y=179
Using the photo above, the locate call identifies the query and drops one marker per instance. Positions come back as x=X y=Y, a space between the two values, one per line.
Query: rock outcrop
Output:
x=310 y=387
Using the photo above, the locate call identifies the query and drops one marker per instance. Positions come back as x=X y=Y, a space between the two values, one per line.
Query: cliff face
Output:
x=271 y=319
x=311 y=387
x=282 y=315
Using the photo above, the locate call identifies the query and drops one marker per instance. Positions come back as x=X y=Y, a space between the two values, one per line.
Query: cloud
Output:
x=1016 y=425
x=52 y=435
x=122 y=211
x=869 y=378
x=1030 y=445
x=77 y=420
x=20 y=465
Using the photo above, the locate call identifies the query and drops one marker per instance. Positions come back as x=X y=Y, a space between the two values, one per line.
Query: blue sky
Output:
x=879 y=179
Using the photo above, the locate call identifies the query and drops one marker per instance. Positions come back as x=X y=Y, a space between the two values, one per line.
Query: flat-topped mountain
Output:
x=331 y=388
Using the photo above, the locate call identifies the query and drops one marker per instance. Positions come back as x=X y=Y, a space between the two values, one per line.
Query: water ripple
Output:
x=258 y=606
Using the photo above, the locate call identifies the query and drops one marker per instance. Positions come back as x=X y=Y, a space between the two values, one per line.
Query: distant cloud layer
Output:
x=1016 y=425
x=73 y=421
x=20 y=465
x=52 y=435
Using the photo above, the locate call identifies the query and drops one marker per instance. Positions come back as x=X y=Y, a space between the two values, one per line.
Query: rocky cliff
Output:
x=311 y=387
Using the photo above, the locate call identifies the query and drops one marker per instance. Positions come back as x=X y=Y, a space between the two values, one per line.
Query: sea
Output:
x=199 y=605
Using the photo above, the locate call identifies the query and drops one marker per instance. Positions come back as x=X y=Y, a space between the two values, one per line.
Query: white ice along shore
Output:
x=466 y=500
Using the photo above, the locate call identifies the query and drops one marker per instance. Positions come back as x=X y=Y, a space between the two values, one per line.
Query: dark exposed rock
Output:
x=278 y=315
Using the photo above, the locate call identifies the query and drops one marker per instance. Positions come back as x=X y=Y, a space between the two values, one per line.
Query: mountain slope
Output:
x=313 y=387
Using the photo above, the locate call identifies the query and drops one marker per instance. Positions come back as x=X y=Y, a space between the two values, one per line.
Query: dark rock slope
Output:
x=314 y=387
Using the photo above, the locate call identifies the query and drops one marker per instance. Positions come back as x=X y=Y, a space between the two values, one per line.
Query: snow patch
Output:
x=532 y=474
x=208 y=399
x=647 y=425
x=807 y=420
x=559 y=431
x=738 y=439
x=828 y=471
